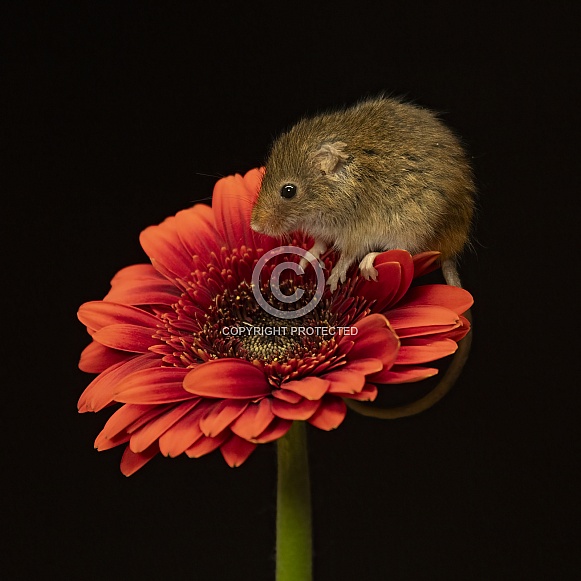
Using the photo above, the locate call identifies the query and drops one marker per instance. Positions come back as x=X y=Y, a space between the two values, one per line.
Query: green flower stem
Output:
x=294 y=553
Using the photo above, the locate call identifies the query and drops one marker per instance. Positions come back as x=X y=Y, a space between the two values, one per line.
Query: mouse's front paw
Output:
x=316 y=250
x=337 y=275
x=368 y=271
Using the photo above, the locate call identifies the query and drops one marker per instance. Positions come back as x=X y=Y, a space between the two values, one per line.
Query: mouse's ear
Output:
x=330 y=157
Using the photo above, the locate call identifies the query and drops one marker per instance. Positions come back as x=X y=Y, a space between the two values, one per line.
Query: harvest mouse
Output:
x=380 y=175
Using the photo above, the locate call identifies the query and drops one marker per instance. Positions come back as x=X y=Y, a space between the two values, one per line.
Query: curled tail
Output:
x=448 y=380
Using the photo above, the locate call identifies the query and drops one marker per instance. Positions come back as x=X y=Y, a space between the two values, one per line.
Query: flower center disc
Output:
x=250 y=333
x=272 y=339
x=218 y=317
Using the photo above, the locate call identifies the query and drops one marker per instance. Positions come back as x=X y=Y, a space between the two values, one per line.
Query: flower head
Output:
x=197 y=364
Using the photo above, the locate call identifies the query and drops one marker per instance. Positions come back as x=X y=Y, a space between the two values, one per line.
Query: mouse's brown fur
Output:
x=382 y=174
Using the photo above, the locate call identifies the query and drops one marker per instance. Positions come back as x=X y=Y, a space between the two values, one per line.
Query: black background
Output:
x=118 y=114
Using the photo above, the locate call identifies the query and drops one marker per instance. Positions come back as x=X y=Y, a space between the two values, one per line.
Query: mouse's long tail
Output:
x=450 y=376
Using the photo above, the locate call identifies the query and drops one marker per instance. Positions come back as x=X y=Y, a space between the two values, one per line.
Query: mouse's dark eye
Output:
x=288 y=191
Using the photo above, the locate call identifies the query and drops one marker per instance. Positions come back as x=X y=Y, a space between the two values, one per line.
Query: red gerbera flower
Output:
x=185 y=385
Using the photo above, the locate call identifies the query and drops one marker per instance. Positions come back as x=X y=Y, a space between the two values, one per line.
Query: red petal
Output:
x=384 y=288
x=422 y=350
x=183 y=433
x=102 y=443
x=220 y=415
x=138 y=292
x=122 y=427
x=253 y=181
x=310 y=387
x=254 y=420
x=158 y=385
x=365 y=366
x=275 y=430
x=126 y=337
x=236 y=450
x=205 y=445
x=403 y=374
x=404 y=258
x=330 y=414
x=287 y=395
x=165 y=249
x=345 y=345
x=121 y=420
x=132 y=462
x=374 y=339
x=141 y=272
x=450 y=297
x=100 y=392
x=460 y=332
x=95 y=358
x=227 y=378
x=301 y=410
x=232 y=205
x=147 y=435
x=141 y=284
x=154 y=412
x=99 y=314
x=421 y=316
x=425 y=262
x=345 y=381
x=196 y=229
x=427 y=331
x=368 y=393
